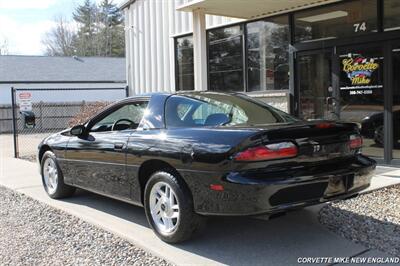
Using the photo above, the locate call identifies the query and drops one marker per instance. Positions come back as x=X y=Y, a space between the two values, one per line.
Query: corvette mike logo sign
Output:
x=359 y=70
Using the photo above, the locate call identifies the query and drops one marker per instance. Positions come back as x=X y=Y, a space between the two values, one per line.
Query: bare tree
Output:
x=59 y=41
x=4 y=46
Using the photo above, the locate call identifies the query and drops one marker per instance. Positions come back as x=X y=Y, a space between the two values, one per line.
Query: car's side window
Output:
x=125 y=117
x=209 y=110
x=184 y=111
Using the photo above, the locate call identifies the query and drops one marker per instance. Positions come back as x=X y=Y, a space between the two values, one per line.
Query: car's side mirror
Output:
x=77 y=130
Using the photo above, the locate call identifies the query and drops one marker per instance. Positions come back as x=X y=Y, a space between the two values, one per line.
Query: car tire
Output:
x=379 y=135
x=53 y=179
x=173 y=218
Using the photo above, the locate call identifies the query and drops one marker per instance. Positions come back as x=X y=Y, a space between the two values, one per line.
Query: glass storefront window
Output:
x=391 y=15
x=361 y=94
x=225 y=59
x=184 y=57
x=348 y=19
x=268 y=55
x=396 y=103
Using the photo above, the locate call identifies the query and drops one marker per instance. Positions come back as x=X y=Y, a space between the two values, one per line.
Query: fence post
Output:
x=41 y=114
x=127 y=91
x=14 y=117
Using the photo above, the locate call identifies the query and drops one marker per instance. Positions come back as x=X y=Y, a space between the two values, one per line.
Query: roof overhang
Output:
x=125 y=4
x=249 y=9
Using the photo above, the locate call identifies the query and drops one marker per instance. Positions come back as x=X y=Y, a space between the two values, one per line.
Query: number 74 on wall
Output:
x=362 y=26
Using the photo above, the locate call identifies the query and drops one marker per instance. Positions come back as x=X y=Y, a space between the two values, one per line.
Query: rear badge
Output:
x=317 y=148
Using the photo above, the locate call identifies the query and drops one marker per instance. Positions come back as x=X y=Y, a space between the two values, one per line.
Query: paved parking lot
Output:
x=233 y=241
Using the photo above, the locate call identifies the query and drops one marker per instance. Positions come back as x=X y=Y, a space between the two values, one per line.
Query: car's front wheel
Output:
x=53 y=179
x=169 y=208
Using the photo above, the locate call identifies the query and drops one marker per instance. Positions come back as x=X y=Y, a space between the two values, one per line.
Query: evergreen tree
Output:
x=111 y=29
x=85 y=15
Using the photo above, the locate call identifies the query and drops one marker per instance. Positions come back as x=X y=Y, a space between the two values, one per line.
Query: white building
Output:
x=155 y=30
x=42 y=72
x=53 y=79
x=316 y=59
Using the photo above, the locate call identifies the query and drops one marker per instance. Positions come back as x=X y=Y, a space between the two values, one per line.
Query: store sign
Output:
x=359 y=70
x=25 y=101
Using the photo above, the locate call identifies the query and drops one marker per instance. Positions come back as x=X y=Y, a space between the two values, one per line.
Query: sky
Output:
x=24 y=23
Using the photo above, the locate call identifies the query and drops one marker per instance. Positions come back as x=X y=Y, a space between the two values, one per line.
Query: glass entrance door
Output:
x=315 y=85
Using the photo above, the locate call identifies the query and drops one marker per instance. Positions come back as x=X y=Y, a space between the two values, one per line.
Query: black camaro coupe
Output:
x=188 y=155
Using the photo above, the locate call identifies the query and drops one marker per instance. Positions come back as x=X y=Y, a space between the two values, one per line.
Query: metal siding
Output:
x=172 y=26
x=147 y=47
x=128 y=56
x=150 y=47
x=166 y=45
x=153 y=45
x=135 y=44
x=160 y=43
x=142 y=45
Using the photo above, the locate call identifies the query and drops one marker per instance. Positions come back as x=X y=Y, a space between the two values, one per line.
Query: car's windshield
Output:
x=218 y=109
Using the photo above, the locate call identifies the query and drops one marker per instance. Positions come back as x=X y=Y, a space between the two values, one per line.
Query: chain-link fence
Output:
x=38 y=113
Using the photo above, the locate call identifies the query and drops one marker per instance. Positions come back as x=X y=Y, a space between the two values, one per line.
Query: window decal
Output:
x=359 y=70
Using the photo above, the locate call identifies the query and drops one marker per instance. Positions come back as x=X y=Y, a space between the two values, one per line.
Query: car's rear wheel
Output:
x=169 y=208
x=53 y=179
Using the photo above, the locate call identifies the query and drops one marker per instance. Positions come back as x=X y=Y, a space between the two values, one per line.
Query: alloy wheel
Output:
x=164 y=207
x=50 y=175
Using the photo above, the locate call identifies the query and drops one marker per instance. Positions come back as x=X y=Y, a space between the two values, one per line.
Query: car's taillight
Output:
x=355 y=142
x=325 y=125
x=268 y=152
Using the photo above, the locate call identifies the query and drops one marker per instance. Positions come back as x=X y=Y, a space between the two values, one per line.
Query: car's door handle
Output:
x=119 y=146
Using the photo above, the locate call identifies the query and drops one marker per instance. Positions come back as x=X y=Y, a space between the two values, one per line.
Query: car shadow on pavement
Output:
x=244 y=240
x=110 y=206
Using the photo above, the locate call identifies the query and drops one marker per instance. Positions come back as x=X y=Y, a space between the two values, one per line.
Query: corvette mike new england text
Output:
x=348 y=260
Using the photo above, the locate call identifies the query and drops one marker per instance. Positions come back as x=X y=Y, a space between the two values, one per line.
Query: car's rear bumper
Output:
x=276 y=192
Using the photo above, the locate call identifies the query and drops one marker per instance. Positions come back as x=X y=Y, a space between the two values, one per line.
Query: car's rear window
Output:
x=218 y=109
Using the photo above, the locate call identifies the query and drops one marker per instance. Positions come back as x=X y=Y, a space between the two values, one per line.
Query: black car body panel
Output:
x=264 y=191
x=110 y=163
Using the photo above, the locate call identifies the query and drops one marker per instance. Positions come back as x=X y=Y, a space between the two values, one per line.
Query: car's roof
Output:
x=182 y=93
x=207 y=92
